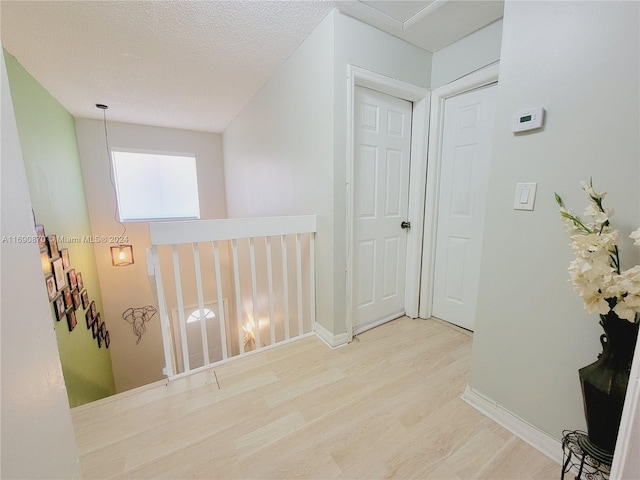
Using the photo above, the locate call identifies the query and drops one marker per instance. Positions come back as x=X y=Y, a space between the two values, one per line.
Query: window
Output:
x=195 y=315
x=153 y=186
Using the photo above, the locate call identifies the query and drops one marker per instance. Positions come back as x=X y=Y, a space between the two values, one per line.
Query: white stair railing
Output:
x=227 y=288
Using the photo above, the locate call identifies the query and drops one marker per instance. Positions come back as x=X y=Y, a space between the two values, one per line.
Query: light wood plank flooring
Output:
x=386 y=406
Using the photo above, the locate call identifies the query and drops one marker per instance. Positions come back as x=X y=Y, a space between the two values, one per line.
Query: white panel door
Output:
x=464 y=179
x=382 y=147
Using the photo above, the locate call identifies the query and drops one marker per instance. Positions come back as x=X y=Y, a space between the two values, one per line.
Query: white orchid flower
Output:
x=623 y=310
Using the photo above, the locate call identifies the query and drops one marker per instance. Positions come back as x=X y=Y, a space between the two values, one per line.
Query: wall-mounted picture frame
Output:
x=52 y=241
x=99 y=338
x=42 y=238
x=58 y=272
x=85 y=299
x=107 y=340
x=95 y=326
x=66 y=262
x=94 y=309
x=89 y=319
x=103 y=329
x=59 y=307
x=71 y=319
x=51 y=286
x=46 y=262
x=76 y=298
x=73 y=280
x=68 y=298
x=80 y=281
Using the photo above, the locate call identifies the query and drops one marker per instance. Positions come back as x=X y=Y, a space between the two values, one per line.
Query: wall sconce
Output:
x=122 y=255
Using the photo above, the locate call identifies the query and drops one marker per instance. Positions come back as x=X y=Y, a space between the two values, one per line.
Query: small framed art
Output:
x=85 y=299
x=51 y=286
x=76 y=298
x=46 y=262
x=89 y=319
x=94 y=309
x=58 y=272
x=52 y=240
x=68 y=297
x=64 y=253
x=42 y=238
x=80 y=282
x=95 y=326
x=59 y=307
x=73 y=280
x=107 y=340
x=71 y=319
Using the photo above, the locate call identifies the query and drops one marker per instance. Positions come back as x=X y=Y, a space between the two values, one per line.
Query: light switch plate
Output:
x=525 y=196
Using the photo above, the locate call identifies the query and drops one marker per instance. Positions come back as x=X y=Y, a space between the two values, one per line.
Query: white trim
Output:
x=332 y=341
x=624 y=459
x=363 y=328
x=474 y=80
x=422 y=14
x=170 y=233
x=535 y=437
x=117 y=396
x=240 y=356
x=421 y=98
x=380 y=19
x=167 y=339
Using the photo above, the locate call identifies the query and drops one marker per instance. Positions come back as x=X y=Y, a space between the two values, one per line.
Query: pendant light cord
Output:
x=111 y=179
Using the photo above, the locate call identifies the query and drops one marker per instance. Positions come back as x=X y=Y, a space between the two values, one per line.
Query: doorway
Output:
x=382 y=159
x=356 y=250
x=464 y=181
x=459 y=152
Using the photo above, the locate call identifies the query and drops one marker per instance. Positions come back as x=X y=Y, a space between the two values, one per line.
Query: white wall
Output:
x=364 y=46
x=124 y=287
x=477 y=50
x=285 y=152
x=278 y=150
x=580 y=61
x=38 y=440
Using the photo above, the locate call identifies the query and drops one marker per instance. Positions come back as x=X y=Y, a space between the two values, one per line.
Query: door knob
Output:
x=405 y=225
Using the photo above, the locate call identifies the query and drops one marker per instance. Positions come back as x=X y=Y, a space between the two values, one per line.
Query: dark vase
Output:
x=604 y=382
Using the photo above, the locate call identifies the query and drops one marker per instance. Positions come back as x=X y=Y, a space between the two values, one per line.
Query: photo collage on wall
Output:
x=66 y=290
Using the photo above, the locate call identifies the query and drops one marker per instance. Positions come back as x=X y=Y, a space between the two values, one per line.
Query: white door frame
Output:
x=420 y=97
x=480 y=78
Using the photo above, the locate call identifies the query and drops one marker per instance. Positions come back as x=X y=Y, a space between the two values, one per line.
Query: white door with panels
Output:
x=464 y=179
x=382 y=146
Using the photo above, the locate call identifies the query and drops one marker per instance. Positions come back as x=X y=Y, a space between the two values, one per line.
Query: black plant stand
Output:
x=592 y=462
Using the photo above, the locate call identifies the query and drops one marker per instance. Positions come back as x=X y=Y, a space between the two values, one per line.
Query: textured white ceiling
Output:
x=195 y=64
x=191 y=65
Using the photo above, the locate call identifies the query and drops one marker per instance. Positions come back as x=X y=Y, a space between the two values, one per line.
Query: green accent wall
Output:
x=52 y=162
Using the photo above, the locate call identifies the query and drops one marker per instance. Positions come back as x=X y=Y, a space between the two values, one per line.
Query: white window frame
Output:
x=114 y=172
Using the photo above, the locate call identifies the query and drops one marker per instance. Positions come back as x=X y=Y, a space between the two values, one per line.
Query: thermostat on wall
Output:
x=527 y=120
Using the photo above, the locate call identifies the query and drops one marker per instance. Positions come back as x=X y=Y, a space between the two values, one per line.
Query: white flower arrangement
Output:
x=595 y=272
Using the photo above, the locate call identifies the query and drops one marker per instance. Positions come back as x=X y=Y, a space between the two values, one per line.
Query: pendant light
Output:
x=121 y=254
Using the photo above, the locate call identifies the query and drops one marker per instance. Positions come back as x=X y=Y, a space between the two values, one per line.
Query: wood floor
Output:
x=386 y=406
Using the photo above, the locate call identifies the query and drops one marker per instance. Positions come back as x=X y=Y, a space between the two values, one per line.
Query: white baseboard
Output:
x=535 y=437
x=333 y=341
x=363 y=328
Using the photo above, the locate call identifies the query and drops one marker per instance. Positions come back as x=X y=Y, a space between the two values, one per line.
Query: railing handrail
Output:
x=197 y=233
x=191 y=231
